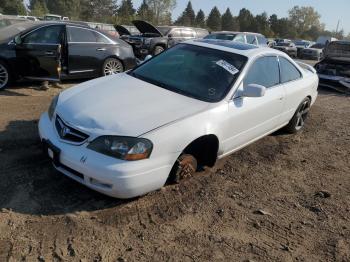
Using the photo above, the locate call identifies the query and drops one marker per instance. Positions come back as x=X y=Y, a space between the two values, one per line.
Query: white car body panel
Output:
x=125 y=106
x=148 y=106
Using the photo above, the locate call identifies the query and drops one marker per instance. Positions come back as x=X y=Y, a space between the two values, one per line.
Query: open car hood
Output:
x=338 y=50
x=122 y=30
x=145 y=27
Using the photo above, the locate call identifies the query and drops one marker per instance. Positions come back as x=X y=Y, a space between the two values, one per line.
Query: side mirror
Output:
x=170 y=35
x=254 y=90
x=18 y=40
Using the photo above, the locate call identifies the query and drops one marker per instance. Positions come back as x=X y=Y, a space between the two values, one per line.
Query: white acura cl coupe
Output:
x=128 y=134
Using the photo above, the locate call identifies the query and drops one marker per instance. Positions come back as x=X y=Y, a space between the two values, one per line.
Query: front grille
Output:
x=68 y=133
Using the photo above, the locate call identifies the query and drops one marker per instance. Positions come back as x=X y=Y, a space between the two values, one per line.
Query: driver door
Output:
x=39 y=53
x=250 y=118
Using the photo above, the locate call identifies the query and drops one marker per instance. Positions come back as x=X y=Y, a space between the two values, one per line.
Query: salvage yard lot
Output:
x=283 y=198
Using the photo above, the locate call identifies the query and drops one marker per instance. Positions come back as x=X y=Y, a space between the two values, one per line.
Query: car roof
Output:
x=234 y=47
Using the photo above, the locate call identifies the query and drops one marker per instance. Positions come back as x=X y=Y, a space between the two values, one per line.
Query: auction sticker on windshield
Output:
x=227 y=66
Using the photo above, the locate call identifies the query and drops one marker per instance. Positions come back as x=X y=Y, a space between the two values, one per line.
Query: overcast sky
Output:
x=331 y=10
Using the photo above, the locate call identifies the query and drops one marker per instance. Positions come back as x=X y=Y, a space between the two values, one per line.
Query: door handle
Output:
x=101 y=49
x=49 y=53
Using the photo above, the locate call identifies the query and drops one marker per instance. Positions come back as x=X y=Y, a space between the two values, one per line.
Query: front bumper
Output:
x=107 y=175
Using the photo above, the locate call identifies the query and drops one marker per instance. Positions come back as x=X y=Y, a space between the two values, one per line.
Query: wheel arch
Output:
x=111 y=56
x=204 y=148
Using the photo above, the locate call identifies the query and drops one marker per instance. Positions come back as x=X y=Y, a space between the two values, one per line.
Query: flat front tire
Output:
x=4 y=76
x=298 y=121
x=185 y=166
x=112 y=66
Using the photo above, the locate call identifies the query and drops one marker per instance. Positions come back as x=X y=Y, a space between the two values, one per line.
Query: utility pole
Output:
x=336 y=31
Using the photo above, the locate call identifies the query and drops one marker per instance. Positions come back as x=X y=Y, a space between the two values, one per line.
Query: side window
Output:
x=187 y=33
x=240 y=38
x=263 y=72
x=81 y=35
x=262 y=40
x=251 y=39
x=101 y=39
x=45 y=35
x=288 y=71
x=176 y=33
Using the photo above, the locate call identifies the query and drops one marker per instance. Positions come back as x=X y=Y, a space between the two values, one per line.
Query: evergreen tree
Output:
x=246 y=20
x=200 y=19
x=38 y=8
x=227 y=21
x=70 y=8
x=188 y=16
x=262 y=25
x=98 y=10
x=145 y=13
x=126 y=12
x=162 y=10
x=13 y=7
x=214 y=19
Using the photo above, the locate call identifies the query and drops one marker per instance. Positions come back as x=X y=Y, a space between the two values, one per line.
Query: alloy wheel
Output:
x=112 y=66
x=4 y=76
x=302 y=114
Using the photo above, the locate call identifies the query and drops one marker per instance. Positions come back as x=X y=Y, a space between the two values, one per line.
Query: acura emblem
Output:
x=83 y=159
x=65 y=131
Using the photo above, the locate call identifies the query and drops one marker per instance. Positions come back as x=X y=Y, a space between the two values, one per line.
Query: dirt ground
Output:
x=283 y=198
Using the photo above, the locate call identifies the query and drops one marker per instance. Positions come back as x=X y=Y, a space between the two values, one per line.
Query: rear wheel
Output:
x=158 y=49
x=112 y=66
x=298 y=121
x=4 y=76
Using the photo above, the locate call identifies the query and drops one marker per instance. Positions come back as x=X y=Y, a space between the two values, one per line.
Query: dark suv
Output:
x=154 y=40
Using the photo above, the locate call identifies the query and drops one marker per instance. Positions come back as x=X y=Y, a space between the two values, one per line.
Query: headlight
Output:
x=52 y=107
x=125 y=148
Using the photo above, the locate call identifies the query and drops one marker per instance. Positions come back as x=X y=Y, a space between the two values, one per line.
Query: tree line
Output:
x=302 y=22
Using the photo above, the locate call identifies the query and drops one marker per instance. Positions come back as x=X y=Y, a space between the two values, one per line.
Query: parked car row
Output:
x=153 y=40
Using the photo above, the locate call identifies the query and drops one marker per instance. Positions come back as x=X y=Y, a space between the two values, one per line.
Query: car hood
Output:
x=145 y=27
x=123 y=105
x=338 y=50
x=122 y=30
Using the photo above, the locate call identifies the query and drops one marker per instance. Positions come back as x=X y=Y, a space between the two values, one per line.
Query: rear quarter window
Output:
x=288 y=71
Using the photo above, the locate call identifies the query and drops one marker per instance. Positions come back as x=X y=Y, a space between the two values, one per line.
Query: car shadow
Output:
x=30 y=184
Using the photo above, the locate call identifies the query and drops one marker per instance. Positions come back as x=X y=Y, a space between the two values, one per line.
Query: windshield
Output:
x=301 y=43
x=221 y=36
x=52 y=18
x=198 y=72
x=318 y=46
x=283 y=44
